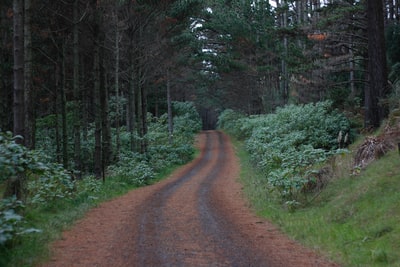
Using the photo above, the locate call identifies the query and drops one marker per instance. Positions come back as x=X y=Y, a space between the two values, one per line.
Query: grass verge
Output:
x=354 y=221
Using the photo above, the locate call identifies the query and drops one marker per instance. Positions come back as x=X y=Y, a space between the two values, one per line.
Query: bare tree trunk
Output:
x=117 y=89
x=19 y=108
x=377 y=87
x=141 y=98
x=106 y=126
x=30 y=121
x=5 y=91
x=98 y=113
x=76 y=92
x=56 y=110
x=131 y=106
x=63 y=103
x=15 y=184
x=86 y=112
x=284 y=70
x=352 y=71
x=169 y=104
x=140 y=112
x=143 y=101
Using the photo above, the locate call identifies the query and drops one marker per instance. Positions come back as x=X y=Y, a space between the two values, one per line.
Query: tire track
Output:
x=152 y=222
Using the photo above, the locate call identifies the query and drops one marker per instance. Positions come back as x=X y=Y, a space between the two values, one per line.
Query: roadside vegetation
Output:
x=344 y=203
x=54 y=199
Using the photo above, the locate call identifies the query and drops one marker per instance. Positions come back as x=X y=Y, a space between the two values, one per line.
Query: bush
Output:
x=230 y=121
x=44 y=181
x=285 y=145
x=133 y=169
x=53 y=183
x=12 y=224
x=14 y=158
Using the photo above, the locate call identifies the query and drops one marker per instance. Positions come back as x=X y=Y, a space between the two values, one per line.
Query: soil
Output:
x=196 y=217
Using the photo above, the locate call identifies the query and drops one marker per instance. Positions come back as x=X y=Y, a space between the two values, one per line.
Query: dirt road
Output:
x=196 y=217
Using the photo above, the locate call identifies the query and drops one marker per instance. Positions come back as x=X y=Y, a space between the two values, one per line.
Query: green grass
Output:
x=355 y=221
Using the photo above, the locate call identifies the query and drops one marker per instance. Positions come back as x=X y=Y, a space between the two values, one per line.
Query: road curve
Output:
x=196 y=217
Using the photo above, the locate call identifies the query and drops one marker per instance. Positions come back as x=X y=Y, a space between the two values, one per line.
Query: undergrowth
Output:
x=288 y=146
x=60 y=214
x=53 y=199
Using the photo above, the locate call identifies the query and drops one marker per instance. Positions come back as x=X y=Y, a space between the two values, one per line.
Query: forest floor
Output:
x=196 y=217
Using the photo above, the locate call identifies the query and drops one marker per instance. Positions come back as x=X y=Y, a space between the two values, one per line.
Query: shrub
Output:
x=133 y=169
x=287 y=144
x=14 y=158
x=54 y=182
x=229 y=120
x=12 y=224
x=45 y=181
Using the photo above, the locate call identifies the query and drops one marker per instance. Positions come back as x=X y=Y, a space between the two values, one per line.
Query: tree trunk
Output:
x=15 y=184
x=143 y=101
x=56 y=111
x=76 y=92
x=98 y=113
x=131 y=106
x=117 y=91
x=169 y=104
x=140 y=112
x=377 y=87
x=19 y=108
x=5 y=90
x=63 y=106
x=284 y=70
x=29 y=93
x=106 y=126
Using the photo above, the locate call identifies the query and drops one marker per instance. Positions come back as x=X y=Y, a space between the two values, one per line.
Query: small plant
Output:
x=53 y=183
x=11 y=222
x=379 y=256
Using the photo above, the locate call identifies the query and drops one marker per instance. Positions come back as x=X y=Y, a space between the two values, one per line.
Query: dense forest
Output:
x=91 y=89
x=93 y=84
x=75 y=70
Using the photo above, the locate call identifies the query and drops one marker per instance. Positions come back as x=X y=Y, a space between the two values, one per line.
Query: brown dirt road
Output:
x=196 y=217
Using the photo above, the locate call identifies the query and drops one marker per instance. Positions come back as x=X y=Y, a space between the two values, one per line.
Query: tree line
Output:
x=276 y=52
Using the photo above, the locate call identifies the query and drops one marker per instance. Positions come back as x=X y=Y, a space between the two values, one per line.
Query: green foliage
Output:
x=45 y=181
x=133 y=169
x=187 y=121
x=14 y=158
x=137 y=169
x=230 y=121
x=287 y=144
x=12 y=224
x=90 y=186
x=392 y=40
x=53 y=183
x=54 y=199
x=182 y=10
x=117 y=107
